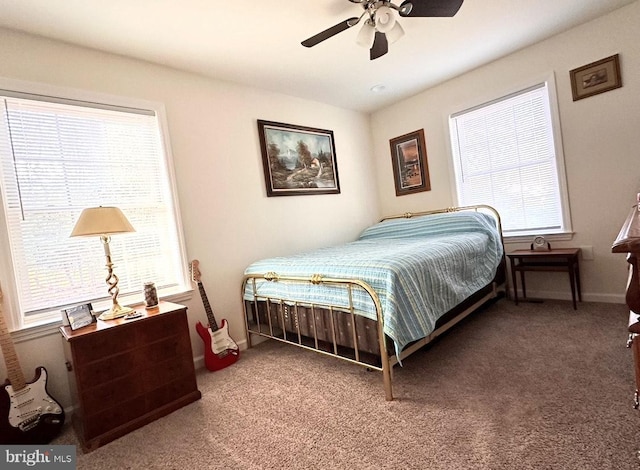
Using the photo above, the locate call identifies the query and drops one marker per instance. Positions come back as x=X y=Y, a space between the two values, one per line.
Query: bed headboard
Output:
x=501 y=277
x=477 y=208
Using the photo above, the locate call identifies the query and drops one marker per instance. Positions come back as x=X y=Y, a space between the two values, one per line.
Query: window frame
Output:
x=40 y=325
x=566 y=232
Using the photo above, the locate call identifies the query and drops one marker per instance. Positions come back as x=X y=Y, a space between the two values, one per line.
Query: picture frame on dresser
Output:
x=78 y=316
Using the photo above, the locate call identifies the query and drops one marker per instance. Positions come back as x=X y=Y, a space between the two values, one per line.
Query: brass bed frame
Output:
x=340 y=332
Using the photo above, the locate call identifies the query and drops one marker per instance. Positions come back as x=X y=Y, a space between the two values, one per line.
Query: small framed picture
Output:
x=596 y=77
x=409 y=162
x=79 y=316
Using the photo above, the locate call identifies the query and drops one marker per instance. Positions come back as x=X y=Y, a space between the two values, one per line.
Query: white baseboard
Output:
x=586 y=297
x=198 y=362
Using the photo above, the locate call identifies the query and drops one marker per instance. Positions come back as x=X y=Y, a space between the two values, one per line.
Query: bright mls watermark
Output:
x=48 y=457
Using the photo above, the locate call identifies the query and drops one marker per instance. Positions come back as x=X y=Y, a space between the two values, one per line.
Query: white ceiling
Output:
x=257 y=43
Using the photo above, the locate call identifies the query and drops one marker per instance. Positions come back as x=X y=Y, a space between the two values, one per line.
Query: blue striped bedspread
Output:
x=420 y=268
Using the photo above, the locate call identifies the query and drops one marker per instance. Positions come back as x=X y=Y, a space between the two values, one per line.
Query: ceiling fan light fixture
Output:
x=366 y=35
x=385 y=19
x=396 y=33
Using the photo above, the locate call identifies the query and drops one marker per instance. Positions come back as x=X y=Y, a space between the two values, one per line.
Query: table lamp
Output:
x=104 y=222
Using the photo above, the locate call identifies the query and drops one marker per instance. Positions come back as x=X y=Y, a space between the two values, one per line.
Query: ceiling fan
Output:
x=380 y=27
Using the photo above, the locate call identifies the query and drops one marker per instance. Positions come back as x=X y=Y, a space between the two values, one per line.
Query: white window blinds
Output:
x=504 y=155
x=58 y=158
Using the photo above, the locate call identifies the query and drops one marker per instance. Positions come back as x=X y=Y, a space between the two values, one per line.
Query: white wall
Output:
x=601 y=137
x=228 y=220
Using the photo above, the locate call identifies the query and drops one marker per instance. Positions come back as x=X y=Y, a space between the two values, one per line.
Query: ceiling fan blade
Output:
x=380 y=46
x=428 y=8
x=327 y=33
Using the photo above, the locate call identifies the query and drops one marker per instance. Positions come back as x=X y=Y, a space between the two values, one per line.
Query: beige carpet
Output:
x=537 y=386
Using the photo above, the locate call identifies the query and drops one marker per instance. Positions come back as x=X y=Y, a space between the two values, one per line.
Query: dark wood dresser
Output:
x=124 y=374
x=628 y=241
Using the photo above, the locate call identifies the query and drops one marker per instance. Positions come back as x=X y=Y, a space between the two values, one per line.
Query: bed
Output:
x=376 y=300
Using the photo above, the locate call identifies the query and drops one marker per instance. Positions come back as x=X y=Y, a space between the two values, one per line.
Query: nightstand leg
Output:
x=514 y=278
x=572 y=279
x=578 y=279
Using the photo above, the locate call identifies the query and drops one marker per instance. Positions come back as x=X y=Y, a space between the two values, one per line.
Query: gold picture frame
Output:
x=596 y=77
x=409 y=162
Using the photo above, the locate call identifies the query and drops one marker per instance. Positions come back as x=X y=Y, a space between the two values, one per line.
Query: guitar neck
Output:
x=16 y=377
x=207 y=307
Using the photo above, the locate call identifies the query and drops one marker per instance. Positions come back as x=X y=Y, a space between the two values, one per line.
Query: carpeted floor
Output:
x=534 y=386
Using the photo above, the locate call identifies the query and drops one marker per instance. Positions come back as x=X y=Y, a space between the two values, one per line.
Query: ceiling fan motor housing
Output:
x=381 y=26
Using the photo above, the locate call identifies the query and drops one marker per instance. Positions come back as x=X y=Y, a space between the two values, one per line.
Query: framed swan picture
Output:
x=596 y=77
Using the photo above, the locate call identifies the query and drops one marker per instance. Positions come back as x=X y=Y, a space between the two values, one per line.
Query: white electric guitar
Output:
x=28 y=414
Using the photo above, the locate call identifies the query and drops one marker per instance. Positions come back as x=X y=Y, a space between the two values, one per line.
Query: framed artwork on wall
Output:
x=596 y=77
x=409 y=162
x=298 y=160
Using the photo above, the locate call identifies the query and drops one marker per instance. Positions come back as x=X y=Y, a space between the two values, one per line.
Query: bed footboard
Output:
x=317 y=326
x=338 y=331
x=328 y=329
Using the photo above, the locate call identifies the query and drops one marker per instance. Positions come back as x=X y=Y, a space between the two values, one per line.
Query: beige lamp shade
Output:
x=101 y=221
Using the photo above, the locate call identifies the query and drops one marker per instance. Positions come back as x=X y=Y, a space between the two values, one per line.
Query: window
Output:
x=59 y=156
x=506 y=154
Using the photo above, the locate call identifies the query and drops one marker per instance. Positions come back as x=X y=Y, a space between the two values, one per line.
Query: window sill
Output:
x=51 y=327
x=518 y=239
x=33 y=332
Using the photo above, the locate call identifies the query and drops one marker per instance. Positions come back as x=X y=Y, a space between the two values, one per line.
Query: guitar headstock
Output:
x=195 y=271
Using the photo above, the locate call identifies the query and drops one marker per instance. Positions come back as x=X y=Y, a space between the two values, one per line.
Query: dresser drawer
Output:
x=158 y=328
x=105 y=370
x=108 y=395
x=102 y=344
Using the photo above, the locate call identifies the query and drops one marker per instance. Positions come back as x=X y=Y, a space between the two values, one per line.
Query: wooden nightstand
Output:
x=124 y=374
x=565 y=259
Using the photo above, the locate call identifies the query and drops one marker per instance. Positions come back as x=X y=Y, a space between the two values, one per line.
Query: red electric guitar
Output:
x=220 y=350
x=28 y=414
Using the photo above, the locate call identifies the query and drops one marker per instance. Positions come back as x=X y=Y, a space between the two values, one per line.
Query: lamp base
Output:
x=116 y=311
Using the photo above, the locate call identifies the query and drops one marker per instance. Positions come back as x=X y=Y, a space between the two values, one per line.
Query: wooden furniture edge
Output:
x=137 y=423
x=628 y=239
x=634 y=322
